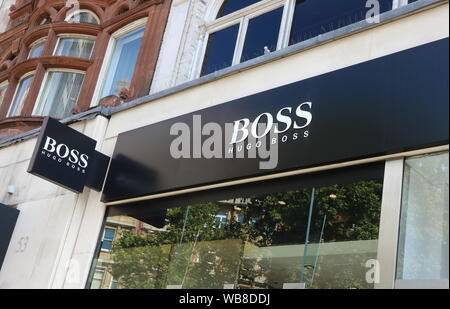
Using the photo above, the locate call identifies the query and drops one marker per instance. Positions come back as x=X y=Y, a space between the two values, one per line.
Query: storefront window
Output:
x=321 y=237
x=424 y=229
x=75 y=47
x=123 y=62
x=60 y=94
x=20 y=96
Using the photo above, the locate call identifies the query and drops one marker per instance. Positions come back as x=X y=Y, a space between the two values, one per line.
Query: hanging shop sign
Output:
x=8 y=219
x=68 y=158
x=390 y=104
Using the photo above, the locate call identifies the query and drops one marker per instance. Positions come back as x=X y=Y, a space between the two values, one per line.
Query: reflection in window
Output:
x=75 y=47
x=83 y=17
x=3 y=89
x=220 y=50
x=59 y=94
x=321 y=237
x=258 y=42
x=20 y=96
x=97 y=280
x=230 y=6
x=315 y=17
x=423 y=245
x=123 y=62
x=108 y=238
x=36 y=50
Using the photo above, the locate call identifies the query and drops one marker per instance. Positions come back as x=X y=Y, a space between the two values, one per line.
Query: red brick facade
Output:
x=31 y=20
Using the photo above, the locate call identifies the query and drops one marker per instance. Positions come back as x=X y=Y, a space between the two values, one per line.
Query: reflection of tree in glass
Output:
x=195 y=253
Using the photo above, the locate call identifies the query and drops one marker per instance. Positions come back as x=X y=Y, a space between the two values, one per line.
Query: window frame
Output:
x=103 y=238
x=22 y=78
x=74 y=36
x=131 y=27
x=45 y=80
x=72 y=14
x=243 y=16
x=34 y=44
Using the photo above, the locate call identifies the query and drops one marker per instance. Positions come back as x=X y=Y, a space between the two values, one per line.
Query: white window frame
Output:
x=44 y=82
x=131 y=27
x=68 y=17
x=243 y=16
x=28 y=74
x=37 y=42
x=75 y=36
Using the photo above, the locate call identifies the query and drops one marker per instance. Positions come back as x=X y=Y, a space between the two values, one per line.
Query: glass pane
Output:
x=60 y=94
x=423 y=244
x=106 y=244
x=262 y=35
x=123 y=63
x=36 y=50
x=21 y=95
x=315 y=17
x=230 y=6
x=319 y=237
x=2 y=94
x=83 y=17
x=220 y=50
x=109 y=234
x=79 y=48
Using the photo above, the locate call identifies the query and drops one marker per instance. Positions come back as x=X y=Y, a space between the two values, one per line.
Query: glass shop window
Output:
x=302 y=237
x=123 y=62
x=424 y=243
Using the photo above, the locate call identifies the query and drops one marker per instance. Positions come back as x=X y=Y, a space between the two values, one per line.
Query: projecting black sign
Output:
x=8 y=218
x=391 y=104
x=67 y=158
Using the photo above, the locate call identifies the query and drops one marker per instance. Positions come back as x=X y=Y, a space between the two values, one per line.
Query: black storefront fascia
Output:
x=390 y=104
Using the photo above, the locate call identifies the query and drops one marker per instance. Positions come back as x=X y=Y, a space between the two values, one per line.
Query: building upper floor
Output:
x=60 y=58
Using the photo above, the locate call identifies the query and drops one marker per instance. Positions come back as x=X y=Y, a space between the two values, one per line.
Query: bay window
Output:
x=83 y=16
x=37 y=48
x=21 y=95
x=78 y=47
x=59 y=93
x=424 y=237
x=3 y=88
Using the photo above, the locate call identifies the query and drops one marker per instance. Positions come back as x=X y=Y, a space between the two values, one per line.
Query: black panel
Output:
x=152 y=210
x=97 y=173
x=8 y=218
x=391 y=104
